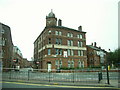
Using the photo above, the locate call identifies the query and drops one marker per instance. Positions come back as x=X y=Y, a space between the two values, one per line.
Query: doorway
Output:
x=49 y=66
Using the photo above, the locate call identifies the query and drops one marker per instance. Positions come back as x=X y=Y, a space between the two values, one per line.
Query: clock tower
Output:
x=51 y=20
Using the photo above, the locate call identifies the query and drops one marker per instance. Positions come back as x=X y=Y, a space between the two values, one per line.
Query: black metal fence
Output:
x=73 y=76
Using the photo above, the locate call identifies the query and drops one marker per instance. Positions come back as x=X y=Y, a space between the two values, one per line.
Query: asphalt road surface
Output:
x=14 y=85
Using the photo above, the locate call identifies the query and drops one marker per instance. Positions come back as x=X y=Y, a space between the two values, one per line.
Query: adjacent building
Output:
x=6 y=46
x=96 y=57
x=10 y=55
x=59 y=47
x=17 y=58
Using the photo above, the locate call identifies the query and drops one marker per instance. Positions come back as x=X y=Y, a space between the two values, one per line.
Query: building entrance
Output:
x=49 y=66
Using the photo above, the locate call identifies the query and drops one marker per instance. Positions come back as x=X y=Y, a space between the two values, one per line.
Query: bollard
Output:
x=99 y=76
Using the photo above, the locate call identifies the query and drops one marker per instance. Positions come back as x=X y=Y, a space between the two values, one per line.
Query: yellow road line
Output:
x=57 y=85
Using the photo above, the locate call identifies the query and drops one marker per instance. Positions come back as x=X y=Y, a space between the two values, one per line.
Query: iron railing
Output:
x=74 y=76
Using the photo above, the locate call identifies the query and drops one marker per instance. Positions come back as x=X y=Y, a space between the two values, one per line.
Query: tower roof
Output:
x=51 y=14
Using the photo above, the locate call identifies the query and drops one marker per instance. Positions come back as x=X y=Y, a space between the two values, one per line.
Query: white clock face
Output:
x=49 y=22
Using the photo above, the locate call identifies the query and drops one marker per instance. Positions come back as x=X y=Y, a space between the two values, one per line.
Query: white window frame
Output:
x=60 y=33
x=56 y=33
x=80 y=36
x=79 y=63
x=82 y=64
x=69 y=64
x=72 y=52
x=80 y=53
x=60 y=62
x=57 y=51
x=72 y=63
x=49 y=32
x=80 y=44
x=69 y=52
x=49 y=51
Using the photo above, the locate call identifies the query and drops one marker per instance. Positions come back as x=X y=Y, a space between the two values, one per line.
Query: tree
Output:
x=113 y=57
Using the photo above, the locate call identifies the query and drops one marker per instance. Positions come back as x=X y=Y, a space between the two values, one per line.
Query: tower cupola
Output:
x=51 y=20
x=51 y=15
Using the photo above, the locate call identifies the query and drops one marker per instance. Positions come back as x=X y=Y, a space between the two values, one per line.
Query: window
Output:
x=56 y=62
x=69 y=35
x=70 y=42
x=72 y=52
x=49 y=32
x=69 y=64
x=80 y=44
x=80 y=53
x=79 y=64
x=58 y=51
x=69 y=52
x=60 y=63
x=1 y=53
x=49 y=40
x=49 y=51
x=72 y=64
x=58 y=41
x=79 y=36
x=58 y=33
x=2 y=31
x=82 y=64
x=2 y=41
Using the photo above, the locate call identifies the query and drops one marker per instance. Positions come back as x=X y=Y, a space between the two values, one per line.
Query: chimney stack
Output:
x=59 y=22
x=95 y=44
x=92 y=44
x=80 y=28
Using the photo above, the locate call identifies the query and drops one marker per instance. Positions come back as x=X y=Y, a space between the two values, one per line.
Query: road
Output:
x=31 y=85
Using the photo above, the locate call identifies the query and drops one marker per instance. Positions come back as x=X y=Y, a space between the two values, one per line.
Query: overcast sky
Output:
x=27 y=19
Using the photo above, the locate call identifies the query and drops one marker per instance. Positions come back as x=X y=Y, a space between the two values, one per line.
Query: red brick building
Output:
x=17 y=58
x=6 y=46
x=96 y=56
x=60 y=47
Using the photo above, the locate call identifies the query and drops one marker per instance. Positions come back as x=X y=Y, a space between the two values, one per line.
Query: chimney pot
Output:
x=59 y=22
x=80 y=28
x=92 y=44
x=95 y=44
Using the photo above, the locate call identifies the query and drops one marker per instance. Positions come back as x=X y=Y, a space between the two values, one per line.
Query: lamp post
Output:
x=108 y=82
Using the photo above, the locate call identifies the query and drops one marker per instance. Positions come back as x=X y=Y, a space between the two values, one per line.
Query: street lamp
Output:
x=108 y=82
